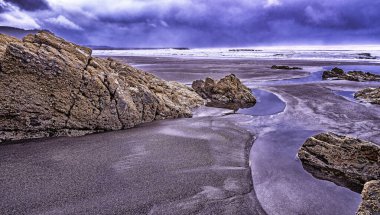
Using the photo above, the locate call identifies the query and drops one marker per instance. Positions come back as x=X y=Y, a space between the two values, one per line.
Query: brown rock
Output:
x=228 y=92
x=51 y=87
x=370 y=199
x=339 y=74
x=343 y=160
x=346 y=161
x=371 y=95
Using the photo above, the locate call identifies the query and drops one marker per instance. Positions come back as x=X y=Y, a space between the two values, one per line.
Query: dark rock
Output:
x=370 y=199
x=51 y=87
x=285 y=67
x=343 y=160
x=228 y=92
x=371 y=95
x=366 y=56
x=339 y=74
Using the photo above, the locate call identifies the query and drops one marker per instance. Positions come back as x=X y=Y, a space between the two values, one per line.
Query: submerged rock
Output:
x=346 y=161
x=339 y=74
x=371 y=95
x=285 y=67
x=370 y=199
x=228 y=92
x=51 y=87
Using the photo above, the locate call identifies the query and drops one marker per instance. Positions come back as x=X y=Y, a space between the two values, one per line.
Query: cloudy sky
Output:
x=199 y=23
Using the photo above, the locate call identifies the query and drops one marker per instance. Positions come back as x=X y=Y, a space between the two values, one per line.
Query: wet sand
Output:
x=281 y=184
x=183 y=166
x=197 y=165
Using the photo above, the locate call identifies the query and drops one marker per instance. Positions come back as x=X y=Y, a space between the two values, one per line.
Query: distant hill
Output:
x=16 y=32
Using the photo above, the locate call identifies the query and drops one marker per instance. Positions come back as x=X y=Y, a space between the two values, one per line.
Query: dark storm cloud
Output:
x=30 y=5
x=195 y=23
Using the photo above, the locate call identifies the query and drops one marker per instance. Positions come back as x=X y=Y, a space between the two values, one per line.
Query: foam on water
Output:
x=316 y=53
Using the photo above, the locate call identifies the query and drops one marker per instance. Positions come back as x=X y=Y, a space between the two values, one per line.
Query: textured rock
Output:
x=339 y=74
x=370 y=199
x=4 y=41
x=371 y=95
x=51 y=87
x=286 y=67
x=228 y=92
x=343 y=160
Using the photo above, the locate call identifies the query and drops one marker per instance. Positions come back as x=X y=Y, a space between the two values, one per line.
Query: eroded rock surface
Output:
x=371 y=199
x=346 y=161
x=371 y=95
x=228 y=92
x=339 y=74
x=51 y=87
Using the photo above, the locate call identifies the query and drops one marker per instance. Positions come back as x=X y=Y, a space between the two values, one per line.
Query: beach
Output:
x=214 y=163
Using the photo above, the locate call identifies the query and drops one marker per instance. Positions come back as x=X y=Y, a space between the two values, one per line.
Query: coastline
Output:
x=312 y=106
x=275 y=180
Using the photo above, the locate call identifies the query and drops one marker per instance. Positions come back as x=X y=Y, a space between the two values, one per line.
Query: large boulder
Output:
x=346 y=161
x=51 y=87
x=228 y=92
x=370 y=199
x=371 y=95
x=339 y=74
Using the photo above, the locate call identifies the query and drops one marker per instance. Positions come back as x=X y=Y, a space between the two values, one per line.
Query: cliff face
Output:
x=51 y=87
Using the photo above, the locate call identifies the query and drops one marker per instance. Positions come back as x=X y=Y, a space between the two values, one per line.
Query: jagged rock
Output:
x=285 y=67
x=51 y=87
x=228 y=92
x=370 y=199
x=348 y=162
x=339 y=74
x=371 y=95
x=4 y=41
x=343 y=160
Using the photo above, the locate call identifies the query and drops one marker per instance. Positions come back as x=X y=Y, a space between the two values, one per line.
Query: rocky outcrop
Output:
x=370 y=199
x=228 y=92
x=285 y=67
x=339 y=74
x=348 y=162
x=51 y=87
x=370 y=95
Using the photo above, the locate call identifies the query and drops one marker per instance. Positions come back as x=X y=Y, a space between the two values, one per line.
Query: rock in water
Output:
x=366 y=56
x=371 y=95
x=371 y=199
x=285 y=67
x=343 y=160
x=348 y=162
x=51 y=87
x=339 y=74
x=228 y=92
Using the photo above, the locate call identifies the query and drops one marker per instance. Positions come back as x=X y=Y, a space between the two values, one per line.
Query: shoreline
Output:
x=277 y=178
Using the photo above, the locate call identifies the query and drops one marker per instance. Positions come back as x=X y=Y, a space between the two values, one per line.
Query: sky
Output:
x=199 y=23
